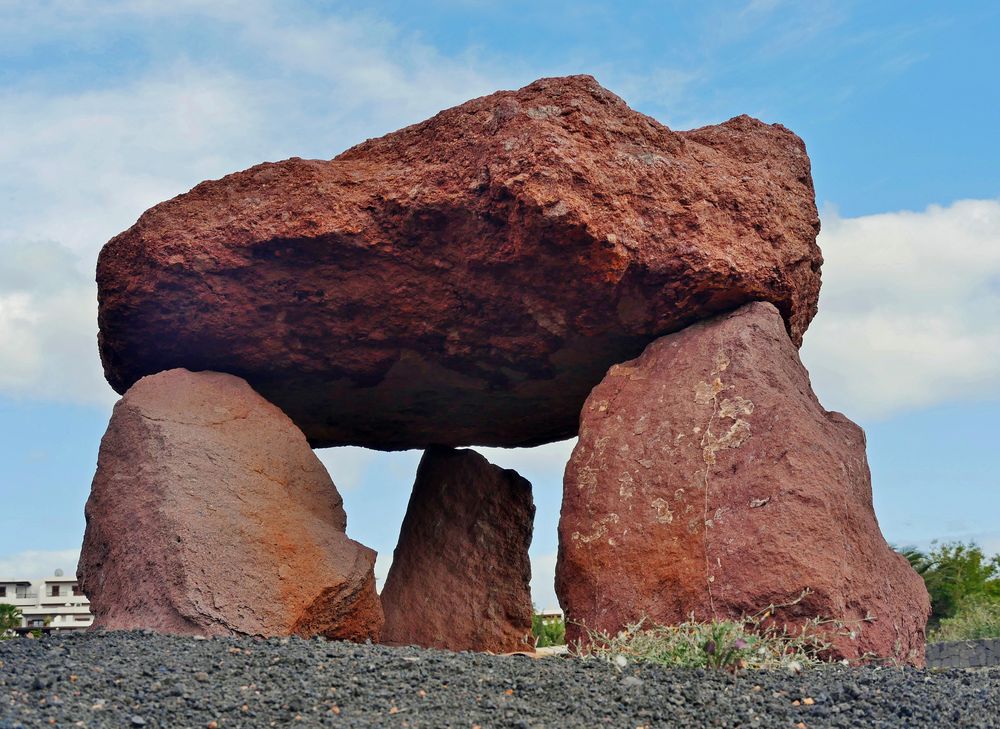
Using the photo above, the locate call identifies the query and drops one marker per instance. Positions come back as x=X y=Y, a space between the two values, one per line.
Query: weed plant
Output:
x=757 y=641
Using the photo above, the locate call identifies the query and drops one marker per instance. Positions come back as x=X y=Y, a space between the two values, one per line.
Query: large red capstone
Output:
x=469 y=279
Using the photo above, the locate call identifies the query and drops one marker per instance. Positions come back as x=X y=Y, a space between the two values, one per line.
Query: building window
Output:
x=77 y=591
x=3 y=590
x=53 y=590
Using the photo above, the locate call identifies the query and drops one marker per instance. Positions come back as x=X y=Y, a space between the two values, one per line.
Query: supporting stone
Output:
x=210 y=515
x=708 y=480
x=460 y=574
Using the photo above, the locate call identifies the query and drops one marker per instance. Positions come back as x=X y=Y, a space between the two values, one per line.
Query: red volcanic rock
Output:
x=469 y=279
x=460 y=574
x=210 y=515
x=709 y=480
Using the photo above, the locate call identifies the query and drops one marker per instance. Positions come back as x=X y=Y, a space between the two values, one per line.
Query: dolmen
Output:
x=523 y=268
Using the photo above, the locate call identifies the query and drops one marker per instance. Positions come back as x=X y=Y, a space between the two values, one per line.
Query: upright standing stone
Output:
x=211 y=515
x=460 y=575
x=709 y=480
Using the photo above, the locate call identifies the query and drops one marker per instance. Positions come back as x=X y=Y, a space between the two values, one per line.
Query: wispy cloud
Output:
x=48 y=326
x=382 y=564
x=543 y=580
x=82 y=161
x=36 y=564
x=773 y=26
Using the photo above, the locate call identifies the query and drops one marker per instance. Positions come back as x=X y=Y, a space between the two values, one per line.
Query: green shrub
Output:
x=977 y=618
x=548 y=634
x=10 y=618
x=953 y=572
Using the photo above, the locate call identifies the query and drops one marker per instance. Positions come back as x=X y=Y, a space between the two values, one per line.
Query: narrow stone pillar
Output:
x=460 y=574
x=708 y=480
x=209 y=514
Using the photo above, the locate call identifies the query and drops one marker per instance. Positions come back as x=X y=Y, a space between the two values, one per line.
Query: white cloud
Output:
x=81 y=166
x=81 y=163
x=48 y=326
x=382 y=564
x=36 y=564
x=543 y=581
x=909 y=313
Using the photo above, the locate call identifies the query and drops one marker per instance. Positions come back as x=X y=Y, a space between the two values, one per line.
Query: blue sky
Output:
x=109 y=107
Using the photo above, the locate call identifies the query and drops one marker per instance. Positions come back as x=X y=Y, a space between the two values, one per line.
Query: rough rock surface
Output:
x=209 y=514
x=469 y=279
x=709 y=480
x=460 y=574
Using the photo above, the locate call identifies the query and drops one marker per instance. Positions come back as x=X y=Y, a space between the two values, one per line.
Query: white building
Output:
x=550 y=615
x=55 y=602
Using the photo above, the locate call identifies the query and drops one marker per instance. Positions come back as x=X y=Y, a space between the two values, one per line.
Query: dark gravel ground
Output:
x=140 y=679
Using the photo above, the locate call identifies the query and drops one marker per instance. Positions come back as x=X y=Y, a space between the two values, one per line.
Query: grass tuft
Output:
x=753 y=642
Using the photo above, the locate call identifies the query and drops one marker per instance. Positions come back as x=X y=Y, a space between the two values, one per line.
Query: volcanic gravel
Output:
x=145 y=680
